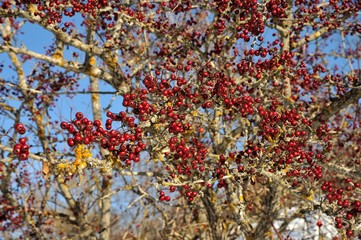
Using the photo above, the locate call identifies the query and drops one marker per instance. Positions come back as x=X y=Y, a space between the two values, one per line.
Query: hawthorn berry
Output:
x=64 y=125
x=71 y=142
x=20 y=128
x=23 y=141
x=23 y=156
x=79 y=115
x=16 y=149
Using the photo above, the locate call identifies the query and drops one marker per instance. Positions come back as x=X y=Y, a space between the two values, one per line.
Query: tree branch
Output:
x=336 y=106
x=68 y=65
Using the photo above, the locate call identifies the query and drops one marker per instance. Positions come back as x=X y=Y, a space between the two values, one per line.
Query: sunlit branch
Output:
x=336 y=106
x=71 y=66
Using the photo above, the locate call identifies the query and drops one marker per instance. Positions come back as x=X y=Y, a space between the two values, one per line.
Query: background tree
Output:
x=227 y=119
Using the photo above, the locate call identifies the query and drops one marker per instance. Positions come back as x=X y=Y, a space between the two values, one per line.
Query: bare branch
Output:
x=336 y=106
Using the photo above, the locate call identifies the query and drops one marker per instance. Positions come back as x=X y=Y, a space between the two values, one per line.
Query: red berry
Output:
x=24 y=148
x=349 y=232
x=86 y=140
x=79 y=115
x=71 y=142
x=23 y=156
x=78 y=139
x=16 y=149
x=339 y=225
x=22 y=141
x=19 y=127
x=64 y=125
x=97 y=123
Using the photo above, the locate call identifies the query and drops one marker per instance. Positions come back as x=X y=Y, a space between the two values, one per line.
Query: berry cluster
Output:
x=277 y=8
x=163 y=197
x=342 y=198
x=20 y=128
x=21 y=149
x=284 y=131
x=124 y=146
x=188 y=162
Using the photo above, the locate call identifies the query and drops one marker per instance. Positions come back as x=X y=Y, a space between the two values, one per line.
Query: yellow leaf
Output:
x=58 y=55
x=226 y=224
x=81 y=153
x=308 y=195
x=219 y=113
x=309 y=198
x=160 y=156
x=111 y=62
x=269 y=234
x=32 y=8
x=67 y=168
x=214 y=196
x=92 y=61
x=128 y=187
x=59 y=48
x=230 y=159
x=157 y=126
x=270 y=139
